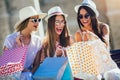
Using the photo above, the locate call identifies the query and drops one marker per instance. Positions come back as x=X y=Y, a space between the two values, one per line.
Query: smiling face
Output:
x=33 y=23
x=84 y=18
x=59 y=24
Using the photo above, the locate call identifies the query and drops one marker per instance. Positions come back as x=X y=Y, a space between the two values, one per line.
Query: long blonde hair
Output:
x=22 y=26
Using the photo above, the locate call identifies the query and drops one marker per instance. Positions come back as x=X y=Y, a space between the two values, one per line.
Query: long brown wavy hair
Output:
x=50 y=40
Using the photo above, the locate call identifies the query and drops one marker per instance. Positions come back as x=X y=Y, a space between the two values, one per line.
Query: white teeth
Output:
x=59 y=28
x=84 y=21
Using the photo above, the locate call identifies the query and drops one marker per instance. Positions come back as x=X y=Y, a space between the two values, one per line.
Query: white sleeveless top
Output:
x=34 y=46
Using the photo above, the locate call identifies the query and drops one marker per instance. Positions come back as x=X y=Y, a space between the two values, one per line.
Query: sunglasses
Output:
x=57 y=22
x=86 y=16
x=34 y=20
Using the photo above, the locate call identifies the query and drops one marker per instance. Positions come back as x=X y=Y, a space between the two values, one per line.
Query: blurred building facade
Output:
x=109 y=13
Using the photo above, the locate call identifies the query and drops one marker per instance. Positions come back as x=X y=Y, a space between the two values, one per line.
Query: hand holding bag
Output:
x=89 y=58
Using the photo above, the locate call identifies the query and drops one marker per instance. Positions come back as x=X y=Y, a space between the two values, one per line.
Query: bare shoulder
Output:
x=105 y=29
x=78 y=36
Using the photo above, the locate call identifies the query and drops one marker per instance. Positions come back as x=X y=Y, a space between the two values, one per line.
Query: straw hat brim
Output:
x=41 y=15
x=95 y=10
x=47 y=17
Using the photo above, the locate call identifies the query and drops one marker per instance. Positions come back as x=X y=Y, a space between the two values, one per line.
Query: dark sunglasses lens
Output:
x=87 y=15
x=35 y=20
x=39 y=20
x=80 y=16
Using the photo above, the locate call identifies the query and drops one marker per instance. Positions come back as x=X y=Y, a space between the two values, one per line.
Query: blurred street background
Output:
x=109 y=13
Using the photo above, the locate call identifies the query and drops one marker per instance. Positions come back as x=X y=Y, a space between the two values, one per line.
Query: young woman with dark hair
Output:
x=90 y=29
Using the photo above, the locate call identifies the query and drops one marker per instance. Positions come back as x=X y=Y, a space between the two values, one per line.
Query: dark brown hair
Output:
x=94 y=21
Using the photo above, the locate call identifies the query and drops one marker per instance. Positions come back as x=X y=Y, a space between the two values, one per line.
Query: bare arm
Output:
x=105 y=33
x=105 y=30
x=78 y=37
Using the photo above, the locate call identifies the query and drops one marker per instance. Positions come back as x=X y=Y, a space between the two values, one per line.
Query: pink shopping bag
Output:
x=12 y=60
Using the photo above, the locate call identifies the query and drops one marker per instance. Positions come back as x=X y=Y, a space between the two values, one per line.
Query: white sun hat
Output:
x=88 y=3
x=27 y=12
x=55 y=11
